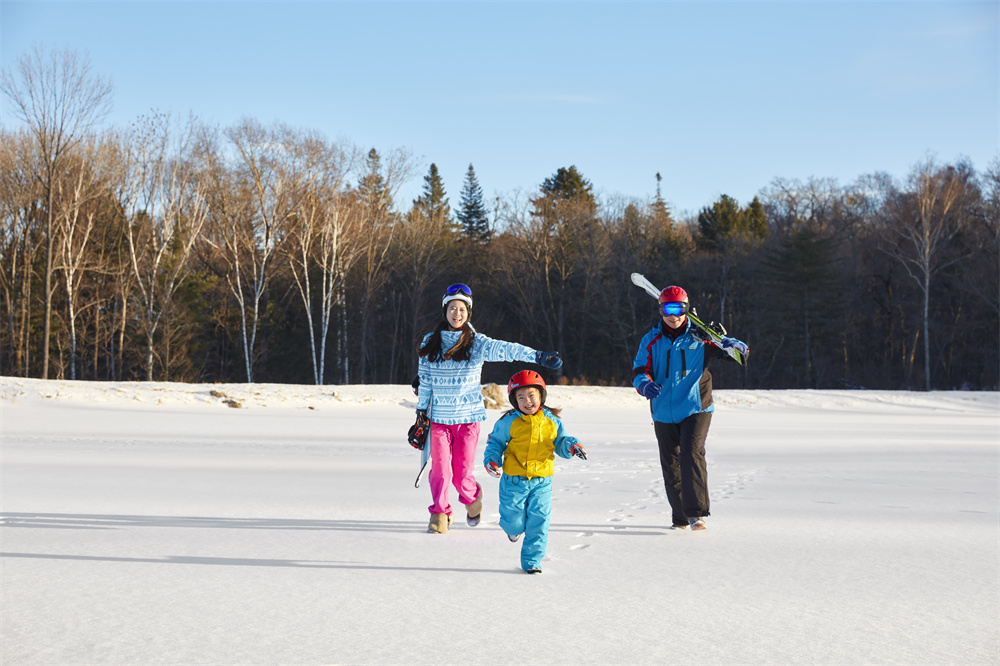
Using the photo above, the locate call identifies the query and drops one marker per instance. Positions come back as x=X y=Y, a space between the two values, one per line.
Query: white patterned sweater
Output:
x=454 y=388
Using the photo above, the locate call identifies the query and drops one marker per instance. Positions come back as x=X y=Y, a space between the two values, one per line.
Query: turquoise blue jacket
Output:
x=524 y=445
x=454 y=388
x=680 y=367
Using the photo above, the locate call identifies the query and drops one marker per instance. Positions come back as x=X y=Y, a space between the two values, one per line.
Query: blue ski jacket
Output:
x=454 y=388
x=680 y=367
x=526 y=445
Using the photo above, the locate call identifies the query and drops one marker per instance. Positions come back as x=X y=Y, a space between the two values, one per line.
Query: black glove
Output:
x=548 y=360
x=417 y=436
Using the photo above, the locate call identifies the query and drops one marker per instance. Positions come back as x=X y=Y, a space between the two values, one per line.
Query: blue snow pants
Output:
x=525 y=507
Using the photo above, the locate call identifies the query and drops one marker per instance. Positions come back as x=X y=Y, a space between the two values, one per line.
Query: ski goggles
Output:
x=457 y=288
x=676 y=309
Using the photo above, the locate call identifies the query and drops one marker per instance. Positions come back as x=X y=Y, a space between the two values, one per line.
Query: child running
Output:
x=522 y=443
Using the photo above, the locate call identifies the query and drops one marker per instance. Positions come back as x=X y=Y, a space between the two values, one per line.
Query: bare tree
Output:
x=166 y=209
x=988 y=235
x=424 y=237
x=375 y=194
x=117 y=261
x=562 y=226
x=111 y=275
x=76 y=213
x=321 y=236
x=60 y=100
x=340 y=247
x=252 y=200
x=20 y=200
x=920 y=224
x=635 y=233
x=522 y=253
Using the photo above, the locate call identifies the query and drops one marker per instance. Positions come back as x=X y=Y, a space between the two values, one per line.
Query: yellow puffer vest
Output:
x=530 y=451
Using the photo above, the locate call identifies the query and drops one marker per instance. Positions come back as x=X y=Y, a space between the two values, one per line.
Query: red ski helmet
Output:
x=673 y=294
x=522 y=379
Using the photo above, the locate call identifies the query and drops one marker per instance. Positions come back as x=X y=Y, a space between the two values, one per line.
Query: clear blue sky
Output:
x=719 y=97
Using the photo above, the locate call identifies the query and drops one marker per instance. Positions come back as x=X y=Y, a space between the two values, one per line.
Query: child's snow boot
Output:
x=439 y=523
x=513 y=537
x=475 y=510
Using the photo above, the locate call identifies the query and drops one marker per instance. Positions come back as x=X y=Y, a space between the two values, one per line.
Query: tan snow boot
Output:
x=475 y=510
x=439 y=523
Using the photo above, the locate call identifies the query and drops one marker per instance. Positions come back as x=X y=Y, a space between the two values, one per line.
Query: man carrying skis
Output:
x=671 y=371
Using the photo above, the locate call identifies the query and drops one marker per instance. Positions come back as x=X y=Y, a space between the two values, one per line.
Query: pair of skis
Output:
x=710 y=333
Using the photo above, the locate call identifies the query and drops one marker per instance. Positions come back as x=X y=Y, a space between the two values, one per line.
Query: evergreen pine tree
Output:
x=433 y=202
x=806 y=294
x=756 y=219
x=725 y=222
x=372 y=190
x=720 y=221
x=660 y=210
x=472 y=212
x=568 y=184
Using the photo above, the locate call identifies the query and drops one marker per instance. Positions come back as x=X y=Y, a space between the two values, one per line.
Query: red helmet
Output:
x=673 y=294
x=522 y=379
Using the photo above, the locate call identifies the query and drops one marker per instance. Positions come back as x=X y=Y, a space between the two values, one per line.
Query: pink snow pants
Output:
x=453 y=453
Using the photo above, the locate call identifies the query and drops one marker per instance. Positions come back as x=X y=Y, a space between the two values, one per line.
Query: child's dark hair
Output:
x=460 y=351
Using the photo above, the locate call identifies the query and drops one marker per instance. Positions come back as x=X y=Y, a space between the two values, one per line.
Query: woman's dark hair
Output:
x=461 y=351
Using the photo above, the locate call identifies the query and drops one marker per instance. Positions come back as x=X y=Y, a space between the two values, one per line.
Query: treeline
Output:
x=188 y=252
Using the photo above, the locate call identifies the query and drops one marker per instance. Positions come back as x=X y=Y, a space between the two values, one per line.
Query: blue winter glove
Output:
x=733 y=343
x=548 y=360
x=648 y=389
x=578 y=451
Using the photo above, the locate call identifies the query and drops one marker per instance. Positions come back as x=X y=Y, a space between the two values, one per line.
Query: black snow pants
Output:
x=685 y=472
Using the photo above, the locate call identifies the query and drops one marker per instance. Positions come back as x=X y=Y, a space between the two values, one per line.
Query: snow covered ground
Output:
x=147 y=523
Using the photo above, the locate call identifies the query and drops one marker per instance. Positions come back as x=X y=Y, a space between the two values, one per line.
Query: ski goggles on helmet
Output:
x=459 y=288
x=675 y=309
